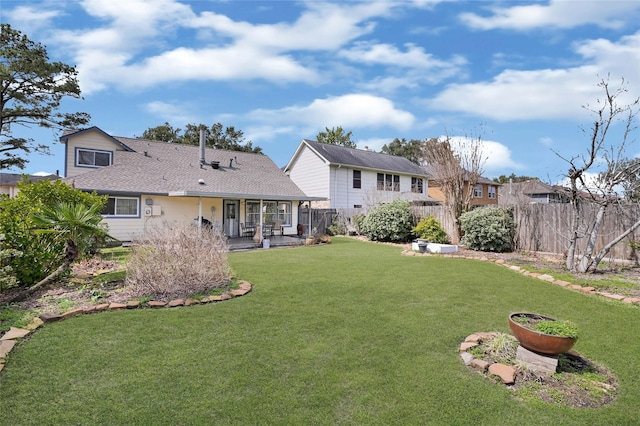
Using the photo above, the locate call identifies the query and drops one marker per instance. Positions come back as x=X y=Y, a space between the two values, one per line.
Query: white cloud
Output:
x=497 y=155
x=176 y=113
x=350 y=111
x=323 y=26
x=374 y=144
x=29 y=19
x=557 y=13
x=548 y=93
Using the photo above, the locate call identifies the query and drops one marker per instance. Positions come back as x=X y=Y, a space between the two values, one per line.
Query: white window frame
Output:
x=283 y=212
x=491 y=192
x=115 y=207
x=417 y=185
x=94 y=152
x=477 y=191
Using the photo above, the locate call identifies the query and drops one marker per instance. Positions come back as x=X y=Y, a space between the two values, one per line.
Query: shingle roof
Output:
x=12 y=179
x=174 y=169
x=337 y=154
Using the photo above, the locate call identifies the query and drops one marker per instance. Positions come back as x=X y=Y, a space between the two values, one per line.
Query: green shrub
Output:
x=488 y=229
x=431 y=230
x=337 y=227
x=356 y=220
x=558 y=328
x=389 y=222
x=40 y=253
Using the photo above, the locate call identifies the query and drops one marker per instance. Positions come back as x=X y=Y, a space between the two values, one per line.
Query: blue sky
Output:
x=516 y=73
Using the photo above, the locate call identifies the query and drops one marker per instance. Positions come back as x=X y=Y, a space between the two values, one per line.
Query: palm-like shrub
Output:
x=389 y=222
x=488 y=229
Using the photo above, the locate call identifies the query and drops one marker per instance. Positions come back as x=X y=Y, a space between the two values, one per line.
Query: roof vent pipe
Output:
x=202 y=159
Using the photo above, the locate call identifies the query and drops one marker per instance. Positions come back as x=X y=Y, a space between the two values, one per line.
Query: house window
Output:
x=93 y=158
x=417 y=185
x=357 y=179
x=491 y=192
x=272 y=211
x=122 y=207
x=387 y=182
x=477 y=191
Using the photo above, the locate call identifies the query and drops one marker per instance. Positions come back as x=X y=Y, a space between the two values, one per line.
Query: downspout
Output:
x=199 y=212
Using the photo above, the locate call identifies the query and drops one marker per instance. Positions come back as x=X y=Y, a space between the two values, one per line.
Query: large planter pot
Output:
x=536 y=341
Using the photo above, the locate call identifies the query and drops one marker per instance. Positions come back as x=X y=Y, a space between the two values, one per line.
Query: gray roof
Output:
x=431 y=172
x=12 y=179
x=152 y=167
x=352 y=157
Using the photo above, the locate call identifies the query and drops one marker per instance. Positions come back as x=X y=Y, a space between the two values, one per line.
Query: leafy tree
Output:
x=618 y=171
x=502 y=179
x=455 y=171
x=336 y=136
x=217 y=136
x=411 y=150
x=39 y=253
x=72 y=223
x=163 y=133
x=31 y=89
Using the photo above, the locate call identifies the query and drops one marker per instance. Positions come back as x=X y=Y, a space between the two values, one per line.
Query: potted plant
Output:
x=543 y=334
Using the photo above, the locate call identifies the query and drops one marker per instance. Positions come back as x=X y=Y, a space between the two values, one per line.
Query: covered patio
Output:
x=277 y=241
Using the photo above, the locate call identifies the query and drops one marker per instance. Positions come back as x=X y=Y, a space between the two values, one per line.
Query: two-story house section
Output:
x=355 y=178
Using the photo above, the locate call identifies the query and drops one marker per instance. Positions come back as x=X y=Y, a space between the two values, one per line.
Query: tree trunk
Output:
x=605 y=250
x=573 y=238
x=71 y=254
x=586 y=261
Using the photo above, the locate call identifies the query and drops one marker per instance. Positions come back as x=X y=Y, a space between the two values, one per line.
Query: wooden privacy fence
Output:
x=545 y=227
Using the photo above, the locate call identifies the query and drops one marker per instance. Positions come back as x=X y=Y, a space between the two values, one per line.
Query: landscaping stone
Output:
x=37 y=322
x=102 y=307
x=535 y=361
x=239 y=292
x=90 y=310
x=6 y=346
x=117 y=306
x=562 y=283
x=157 y=304
x=225 y=296
x=176 y=303
x=515 y=268
x=587 y=289
x=575 y=287
x=190 y=302
x=631 y=300
x=73 y=313
x=50 y=317
x=546 y=277
x=466 y=357
x=506 y=373
x=473 y=338
x=214 y=298
x=14 y=333
x=480 y=364
x=612 y=296
x=467 y=345
x=132 y=304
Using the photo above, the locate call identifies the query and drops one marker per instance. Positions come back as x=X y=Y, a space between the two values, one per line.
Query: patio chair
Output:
x=267 y=230
x=247 y=230
x=277 y=227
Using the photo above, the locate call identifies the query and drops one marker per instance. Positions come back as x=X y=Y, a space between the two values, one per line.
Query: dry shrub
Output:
x=177 y=261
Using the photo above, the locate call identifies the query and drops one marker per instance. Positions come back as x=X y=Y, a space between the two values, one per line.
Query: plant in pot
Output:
x=543 y=334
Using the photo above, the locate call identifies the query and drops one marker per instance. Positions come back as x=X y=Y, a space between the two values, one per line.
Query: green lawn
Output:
x=348 y=333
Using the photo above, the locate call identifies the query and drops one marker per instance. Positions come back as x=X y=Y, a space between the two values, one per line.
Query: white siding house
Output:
x=353 y=178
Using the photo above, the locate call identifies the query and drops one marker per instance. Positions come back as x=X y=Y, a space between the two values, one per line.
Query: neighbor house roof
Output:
x=431 y=172
x=358 y=158
x=12 y=179
x=152 y=167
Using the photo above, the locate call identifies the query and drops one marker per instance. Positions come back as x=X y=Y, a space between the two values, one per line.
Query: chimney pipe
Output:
x=202 y=159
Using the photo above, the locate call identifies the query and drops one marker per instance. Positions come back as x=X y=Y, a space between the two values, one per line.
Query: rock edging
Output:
x=10 y=338
x=544 y=277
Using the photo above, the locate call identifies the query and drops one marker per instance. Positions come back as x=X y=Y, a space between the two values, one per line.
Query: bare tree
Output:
x=455 y=167
x=618 y=170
